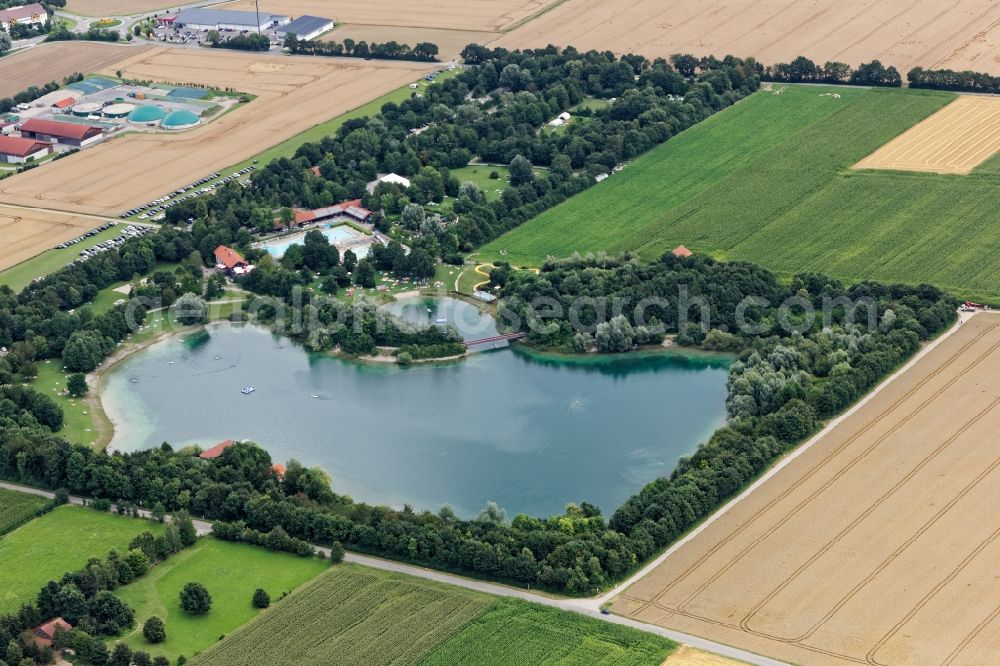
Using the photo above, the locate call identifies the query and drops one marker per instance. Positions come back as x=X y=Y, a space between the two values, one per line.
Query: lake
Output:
x=530 y=432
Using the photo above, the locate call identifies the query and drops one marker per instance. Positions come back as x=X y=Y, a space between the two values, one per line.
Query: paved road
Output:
x=573 y=605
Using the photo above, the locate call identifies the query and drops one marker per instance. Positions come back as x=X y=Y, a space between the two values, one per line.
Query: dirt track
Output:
x=956 y=139
x=960 y=34
x=293 y=94
x=26 y=233
x=52 y=62
x=877 y=545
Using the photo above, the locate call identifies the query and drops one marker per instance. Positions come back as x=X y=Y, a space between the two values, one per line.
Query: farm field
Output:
x=857 y=548
x=518 y=632
x=956 y=139
x=27 y=232
x=293 y=95
x=483 y=15
x=231 y=572
x=60 y=541
x=959 y=35
x=18 y=508
x=793 y=205
x=116 y=7
x=335 y=617
x=52 y=62
x=450 y=41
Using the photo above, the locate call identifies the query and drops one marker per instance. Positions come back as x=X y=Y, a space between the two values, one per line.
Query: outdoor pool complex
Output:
x=527 y=431
x=336 y=234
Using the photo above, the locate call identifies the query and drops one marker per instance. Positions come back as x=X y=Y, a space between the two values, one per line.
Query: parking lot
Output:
x=157 y=208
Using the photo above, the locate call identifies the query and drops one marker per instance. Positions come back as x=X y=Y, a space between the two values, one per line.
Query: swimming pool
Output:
x=335 y=234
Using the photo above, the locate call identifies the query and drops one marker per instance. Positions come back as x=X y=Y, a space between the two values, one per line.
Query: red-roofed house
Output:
x=63 y=103
x=231 y=261
x=216 y=451
x=681 y=251
x=33 y=14
x=44 y=634
x=279 y=469
x=316 y=171
x=17 y=150
x=72 y=134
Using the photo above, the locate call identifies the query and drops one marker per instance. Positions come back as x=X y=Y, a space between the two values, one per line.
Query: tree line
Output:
x=947 y=79
x=804 y=70
x=34 y=92
x=391 y=50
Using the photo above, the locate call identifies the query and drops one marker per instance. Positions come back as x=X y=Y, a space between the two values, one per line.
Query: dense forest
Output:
x=780 y=387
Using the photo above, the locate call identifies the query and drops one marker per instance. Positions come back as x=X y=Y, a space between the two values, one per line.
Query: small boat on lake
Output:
x=247 y=390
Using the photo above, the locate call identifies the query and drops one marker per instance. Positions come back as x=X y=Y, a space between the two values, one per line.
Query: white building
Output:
x=198 y=18
x=30 y=15
x=388 y=178
x=306 y=28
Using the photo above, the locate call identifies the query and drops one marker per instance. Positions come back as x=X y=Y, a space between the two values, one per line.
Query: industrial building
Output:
x=53 y=131
x=29 y=15
x=17 y=150
x=306 y=27
x=220 y=19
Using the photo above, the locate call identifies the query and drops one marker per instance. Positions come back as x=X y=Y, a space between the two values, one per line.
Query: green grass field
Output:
x=355 y=615
x=231 y=572
x=18 y=508
x=769 y=181
x=60 y=541
x=518 y=632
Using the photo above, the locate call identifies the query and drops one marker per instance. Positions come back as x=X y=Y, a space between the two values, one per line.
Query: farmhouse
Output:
x=681 y=251
x=44 y=634
x=17 y=150
x=30 y=15
x=54 y=131
x=221 y=19
x=229 y=260
x=306 y=27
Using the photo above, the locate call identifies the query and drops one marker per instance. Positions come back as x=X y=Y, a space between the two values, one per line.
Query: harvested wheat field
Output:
x=481 y=15
x=956 y=139
x=686 y=655
x=449 y=42
x=293 y=94
x=878 y=544
x=960 y=34
x=117 y=7
x=52 y=62
x=27 y=232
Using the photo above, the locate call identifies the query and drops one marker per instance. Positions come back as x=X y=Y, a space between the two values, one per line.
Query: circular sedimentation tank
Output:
x=148 y=114
x=118 y=110
x=85 y=109
x=180 y=119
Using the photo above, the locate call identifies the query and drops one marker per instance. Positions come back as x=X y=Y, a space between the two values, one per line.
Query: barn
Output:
x=17 y=150
x=71 y=134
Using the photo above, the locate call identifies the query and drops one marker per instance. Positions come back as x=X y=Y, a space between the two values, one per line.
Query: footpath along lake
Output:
x=529 y=432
